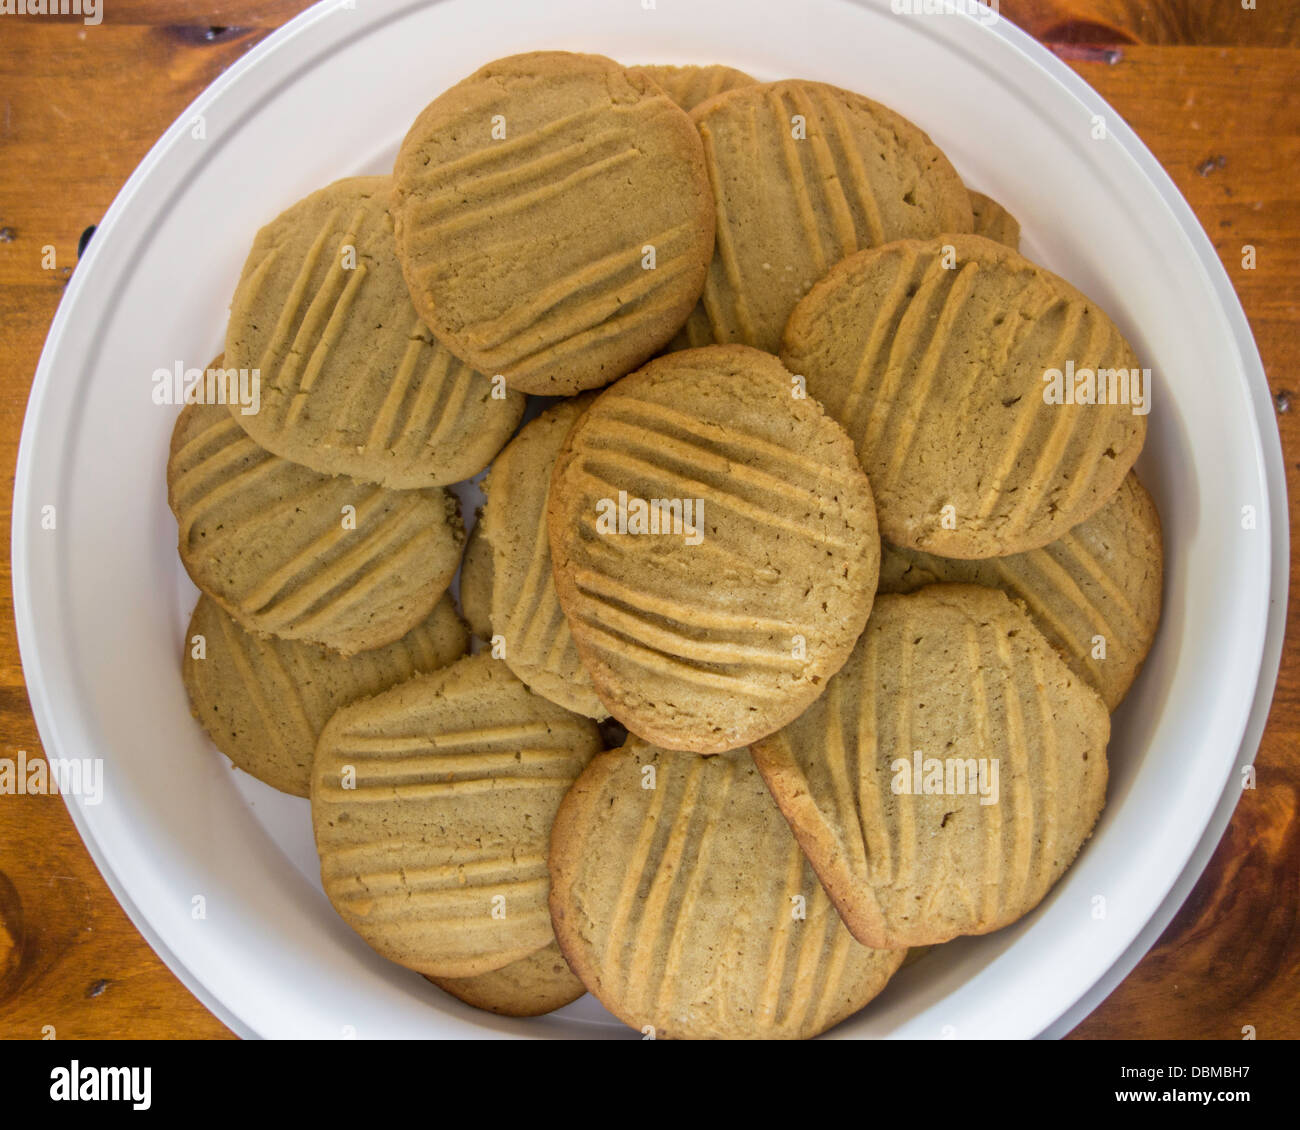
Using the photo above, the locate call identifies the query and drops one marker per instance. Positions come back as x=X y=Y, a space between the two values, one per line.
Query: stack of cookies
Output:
x=789 y=631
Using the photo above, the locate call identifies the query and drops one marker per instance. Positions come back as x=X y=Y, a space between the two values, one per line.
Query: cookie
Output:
x=695 y=333
x=994 y=222
x=714 y=547
x=432 y=806
x=1094 y=593
x=531 y=986
x=301 y=555
x=683 y=902
x=476 y=582
x=689 y=86
x=352 y=381
x=554 y=219
x=933 y=355
x=263 y=701
x=538 y=646
x=803 y=175
x=950 y=773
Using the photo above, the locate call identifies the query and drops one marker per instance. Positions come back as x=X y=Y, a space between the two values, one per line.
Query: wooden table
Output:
x=1211 y=88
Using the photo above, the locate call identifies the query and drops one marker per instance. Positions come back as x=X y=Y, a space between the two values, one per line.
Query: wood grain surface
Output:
x=1208 y=84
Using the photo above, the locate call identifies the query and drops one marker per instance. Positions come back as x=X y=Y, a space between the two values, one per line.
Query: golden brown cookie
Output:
x=534 y=635
x=950 y=773
x=554 y=219
x=432 y=805
x=933 y=355
x=714 y=547
x=696 y=331
x=531 y=986
x=352 y=381
x=684 y=904
x=994 y=222
x=803 y=175
x=690 y=85
x=476 y=582
x=301 y=555
x=263 y=701
x=1094 y=593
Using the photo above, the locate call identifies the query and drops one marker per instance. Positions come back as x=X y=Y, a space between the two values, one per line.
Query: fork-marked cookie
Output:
x=432 y=806
x=554 y=219
x=950 y=773
x=301 y=555
x=714 y=547
x=683 y=902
